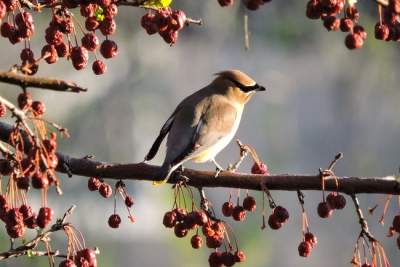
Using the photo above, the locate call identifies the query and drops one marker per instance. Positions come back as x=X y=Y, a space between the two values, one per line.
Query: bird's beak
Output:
x=260 y=88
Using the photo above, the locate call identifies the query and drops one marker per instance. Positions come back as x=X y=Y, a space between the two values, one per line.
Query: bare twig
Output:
x=363 y=223
x=24 y=81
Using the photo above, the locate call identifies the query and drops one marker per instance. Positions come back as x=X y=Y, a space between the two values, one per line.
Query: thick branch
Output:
x=141 y=171
x=44 y=83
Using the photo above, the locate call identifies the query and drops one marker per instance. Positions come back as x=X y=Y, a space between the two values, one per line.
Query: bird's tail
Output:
x=163 y=175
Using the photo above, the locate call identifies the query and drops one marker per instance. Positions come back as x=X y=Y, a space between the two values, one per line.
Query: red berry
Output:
x=23 y=183
x=148 y=22
x=99 y=67
x=91 y=24
x=281 y=214
x=346 y=24
x=3 y=110
x=111 y=11
x=259 y=168
x=207 y=230
x=90 y=41
x=304 y=249
x=180 y=214
x=79 y=57
x=6 y=29
x=340 y=202
x=215 y=259
x=108 y=26
x=330 y=198
x=219 y=228
x=24 y=100
x=227 y=209
x=38 y=108
x=228 y=258
x=94 y=184
x=6 y=168
x=62 y=49
x=49 y=53
x=39 y=181
x=180 y=230
x=108 y=49
x=196 y=241
x=396 y=223
x=27 y=55
x=353 y=41
x=88 y=255
x=26 y=211
x=105 y=190
x=324 y=210
x=178 y=20
x=225 y=2
x=53 y=36
x=189 y=221
x=103 y=3
x=240 y=256
x=358 y=29
x=352 y=13
x=129 y=201
x=200 y=218
x=114 y=221
x=16 y=230
x=67 y=263
x=331 y=23
x=44 y=217
x=169 y=219
x=170 y=36
x=273 y=222
x=381 y=31
x=87 y=10
x=249 y=203
x=252 y=4
x=314 y=9
x=238 y=213
x=14 y=216
x=311 y=238
x=214 y=241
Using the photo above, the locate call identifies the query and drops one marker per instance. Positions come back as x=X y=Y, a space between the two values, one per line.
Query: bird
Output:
x=204 y=123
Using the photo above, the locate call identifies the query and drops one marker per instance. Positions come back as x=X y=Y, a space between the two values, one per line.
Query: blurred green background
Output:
x=321 y=99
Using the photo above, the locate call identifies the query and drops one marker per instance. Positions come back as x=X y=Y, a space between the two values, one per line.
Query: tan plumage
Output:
x=205 y=122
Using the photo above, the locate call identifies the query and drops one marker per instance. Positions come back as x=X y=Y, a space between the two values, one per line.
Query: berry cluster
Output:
x=238 y=212
x=249 y=4
x=388 y=26
x=167 y=22
x=308 y=243
x=333 y=201
x=278 y=217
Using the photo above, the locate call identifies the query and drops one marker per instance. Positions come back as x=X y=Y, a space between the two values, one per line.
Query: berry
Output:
x=62 y=49
x=396 y=223
x=196 y=241
x=49 y=53
x=148 y=22
x=249 y=203
x=207 y=230
x=353 y=41
x=94 y=184
x=219 y=228
x=6 y=29
x=38 y=108
x=39 y=181
x=227 y=209
x=91 y=24
x=129 y=201
x=225 y=2
x=200 y=218
x=24 y=100
x=169 y=219
x=215 y=259
x=26 y=211
x=238 y=213
x=304 y=249
x=88 y=255
x=358 y=29
x=314 y=9
x=3 y=10
x=340 y=202
x=111 y=11
x=273 y=222
x=189 y=221
x=90 y=41
x=352 y=13
x=3 y=110
x=214 y=241
x=79 y=57
x=180 y=230
x=180 y=214
x=346 y=24
x=105 y=190
x=23 y=183
x=330 y=198
x=240 y=256
x=14 y=216
x=259 y=168
x=44 y=217
x=228 y=259
x=27 y=55
x=15 y=231
x=178 y=20
x=108 y=26
x=311 y=238
x=6 y=167
x=114 y=221
x=54 y=36
x=67 y=263
x=87 y=10
x=281 y=214
x=331 y=23
x=324 y=210
x=99 y=67
x=252 y=4
x=381 y=31
x=170 y=37
x=108 y=49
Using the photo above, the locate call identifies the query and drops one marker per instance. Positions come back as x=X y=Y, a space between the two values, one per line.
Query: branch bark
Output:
x=39 y=82
x=286 y=182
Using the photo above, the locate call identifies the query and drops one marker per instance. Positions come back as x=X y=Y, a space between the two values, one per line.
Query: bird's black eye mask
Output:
x=247 y=88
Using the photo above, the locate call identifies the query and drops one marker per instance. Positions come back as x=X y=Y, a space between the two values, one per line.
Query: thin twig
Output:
x=363 y=223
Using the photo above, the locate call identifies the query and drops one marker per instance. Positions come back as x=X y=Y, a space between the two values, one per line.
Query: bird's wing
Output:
x=216 y=121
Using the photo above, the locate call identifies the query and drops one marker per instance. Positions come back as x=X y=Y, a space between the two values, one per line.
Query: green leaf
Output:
x=157 y=3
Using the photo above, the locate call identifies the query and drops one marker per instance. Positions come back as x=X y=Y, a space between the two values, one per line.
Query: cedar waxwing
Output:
x=205 y=122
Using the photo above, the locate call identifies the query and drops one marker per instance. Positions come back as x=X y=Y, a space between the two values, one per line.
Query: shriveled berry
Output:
x=53 y=36
x=108 y=49
x=215 y=259
x=45 y=216
x=381 y=31
x=170 y=37
x=99 y=67
x=23 y=183
x=169 y=219
x=129 y=201
x=331 y=23
x=148 y=22
x=281 y=214
x=259 y=168
x=14 y=216
x=26 y=211
x=196 y=241
x=346 y=24
x=90 y=41
x=62 y=49
x=114 y=221
x=111 y=11
x=38 y=108
x=240 y=256
x=311 y=238
x=324 y=210
x=88 y=255
x=238 y=213
x=91 y=24
x=214 y=241
x=352 y=13
x=27 y=55
x=304 y=249
x=94 y=183
x=24 y=100
x=180 y=230
x=15 y=230
x=49 y=53
x=227 y=209
x=79 y=57
x=219 y=228
x=228 y=258
x=39 y=181
x=353 y=41
x=67 y=263
x=87 y=10
x=340 y=201
x=105 y=190
x=249 y=203
x=274 y=222
x=108 y=26
x=178 y=20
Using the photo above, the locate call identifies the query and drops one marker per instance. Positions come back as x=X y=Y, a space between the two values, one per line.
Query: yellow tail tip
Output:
x=158 y=183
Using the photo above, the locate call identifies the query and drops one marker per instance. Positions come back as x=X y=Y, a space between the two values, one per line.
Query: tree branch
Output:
x=287 y=182
x=39 y=82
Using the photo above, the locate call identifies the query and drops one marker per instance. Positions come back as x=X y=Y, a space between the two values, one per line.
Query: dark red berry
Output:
x=259 y=168
x=14 y=216
x=314 y=9
x=6 y=29
x=105 y=190
x=381 y=31
x=178 y=20
x=44 y=217
x=53 y=36
x=346 y=24
x=331 y=23
x=353 y=41
x=94 y=184
x=170 y=36
x=88 y=255
x=396 y=223
x=108 y=49
x=40 y=181
x=358 y=29
x=129 y=201
x=114 y=221
x=196 y=241
x=108 y=26
x=227 y=209
x=330 y=198
x=99 y=67
x=90 y=41
x=49 y=53
x=6 y=167
x=38 y=108
x=24 y=100
x=340 y=201
x=27 y=55
x=91 y=24
x=62 y=49
x=324 y=210
x=148 y=22
x=252 y=4
x=87 y=10
x=26 y=211
x=23 y=183
x=281 y=214
x=15 y=230
x=238 y=213
x=228 y=259
x=214 y=241
x=240 y=256
x=200 y=217
x=180 y=230
x=79 y=57
x=249 y=203
x=180 y=214
x=352 y=13
x=304 y=249
x=311 y=238
x=67 y=263
x=111 y=11
x=274 y=222
x=225 y=2
x=215 y=259
x=169 y=219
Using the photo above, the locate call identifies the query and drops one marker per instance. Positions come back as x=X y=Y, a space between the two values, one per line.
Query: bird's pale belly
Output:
x=212 y=151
